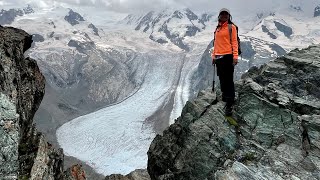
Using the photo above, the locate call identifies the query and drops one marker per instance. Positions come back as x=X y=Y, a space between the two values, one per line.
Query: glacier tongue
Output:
x=116 y=139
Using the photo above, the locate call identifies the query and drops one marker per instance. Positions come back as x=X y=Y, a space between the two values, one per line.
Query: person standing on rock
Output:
x=225 y=56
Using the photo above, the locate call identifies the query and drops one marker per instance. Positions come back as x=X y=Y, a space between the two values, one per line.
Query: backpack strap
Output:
x=214 y=36
x=230 y=34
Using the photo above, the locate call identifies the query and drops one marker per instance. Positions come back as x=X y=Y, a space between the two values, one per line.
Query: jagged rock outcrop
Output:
x=8 y=16
x=274 y=134
x=73 y=18
x=24 y=152
x=22 y=88
x=316 y=11
x=266 y=30
x=94 y=29
x=286 y=30
x=139 y=174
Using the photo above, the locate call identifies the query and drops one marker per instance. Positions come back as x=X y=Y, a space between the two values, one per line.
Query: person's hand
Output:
x=213 y=61
x=235 y=62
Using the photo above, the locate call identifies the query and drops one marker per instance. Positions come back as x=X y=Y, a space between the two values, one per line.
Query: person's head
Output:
x=224 y=15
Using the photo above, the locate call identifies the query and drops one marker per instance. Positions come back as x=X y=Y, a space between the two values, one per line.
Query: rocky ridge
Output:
x=274 y=134
x=24 y=152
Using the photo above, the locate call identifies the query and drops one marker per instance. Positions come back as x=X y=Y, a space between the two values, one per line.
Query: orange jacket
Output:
x=222 y=44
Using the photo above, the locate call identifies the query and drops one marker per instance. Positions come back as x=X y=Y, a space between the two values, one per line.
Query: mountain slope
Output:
x=275 y=134
x=170 y=25
x=289 y=32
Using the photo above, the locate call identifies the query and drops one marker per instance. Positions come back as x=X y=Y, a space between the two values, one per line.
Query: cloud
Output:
x=147 y=5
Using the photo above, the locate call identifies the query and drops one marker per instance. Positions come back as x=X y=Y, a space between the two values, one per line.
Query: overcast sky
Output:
x=196 y=5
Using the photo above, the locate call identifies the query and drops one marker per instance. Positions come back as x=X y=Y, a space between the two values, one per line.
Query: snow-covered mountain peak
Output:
x=58 y=28
x=168 y=13
x=275 y=27
x=287 y=31
x=7 y=16
x=170 y=25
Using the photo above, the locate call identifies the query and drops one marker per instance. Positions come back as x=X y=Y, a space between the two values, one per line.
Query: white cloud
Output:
x=197 y=5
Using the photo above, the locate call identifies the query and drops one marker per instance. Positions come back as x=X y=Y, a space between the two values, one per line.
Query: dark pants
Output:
x=225 y=71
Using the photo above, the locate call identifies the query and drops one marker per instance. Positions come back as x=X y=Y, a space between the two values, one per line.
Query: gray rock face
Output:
x=274 y=133
x=37 y=38
x=247 y=49
x=139 y=174
x=24 y=152
x=191 y=16
x=48 y=163
x=9 y=133
x=266 y=30
x=192 y=30
x=316 y=11
x=22 y=89
x=160 y=41
x=145 y=21
x=206 y=17
x=8 y=16
x=287 y=31
x=82 y=47
x=174 y=38
x=94 y=28
x=73 y=18
x=280 y=51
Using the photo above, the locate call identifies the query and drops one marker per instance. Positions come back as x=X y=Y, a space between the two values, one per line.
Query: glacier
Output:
x=116 y=139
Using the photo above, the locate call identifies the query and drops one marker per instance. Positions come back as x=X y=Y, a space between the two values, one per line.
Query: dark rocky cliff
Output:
x=274 y=134
x=24 y=152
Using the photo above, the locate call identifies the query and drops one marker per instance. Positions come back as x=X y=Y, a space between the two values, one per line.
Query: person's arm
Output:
x=234 y=43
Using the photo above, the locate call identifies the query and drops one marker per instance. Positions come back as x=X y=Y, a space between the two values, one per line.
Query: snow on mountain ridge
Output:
x=9 y=16
x=287 y=31
x=176 y=26
x=169 y=25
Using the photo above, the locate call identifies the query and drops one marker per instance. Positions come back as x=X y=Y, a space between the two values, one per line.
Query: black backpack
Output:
x=230 y=33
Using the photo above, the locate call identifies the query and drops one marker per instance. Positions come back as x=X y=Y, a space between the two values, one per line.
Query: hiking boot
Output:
x=228 y=107
x=228 y=110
